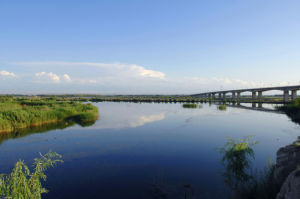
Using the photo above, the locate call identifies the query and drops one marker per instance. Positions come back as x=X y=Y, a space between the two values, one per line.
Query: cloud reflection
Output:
x=141 y=121
x=118 y=116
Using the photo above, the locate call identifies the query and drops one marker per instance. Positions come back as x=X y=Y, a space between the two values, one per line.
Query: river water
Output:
x=149 y=150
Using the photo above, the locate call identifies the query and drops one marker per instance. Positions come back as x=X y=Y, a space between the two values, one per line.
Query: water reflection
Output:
x=237 y=158
x=42 y=129
x=151 y=139
x=128 y=115
x=256 y=107
x=144 y=119
x=239 y=175
x=237 y=161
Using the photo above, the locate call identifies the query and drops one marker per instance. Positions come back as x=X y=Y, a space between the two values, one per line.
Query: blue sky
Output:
x=146 y=47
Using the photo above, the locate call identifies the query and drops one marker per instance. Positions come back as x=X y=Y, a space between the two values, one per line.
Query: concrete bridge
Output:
x=257 y=93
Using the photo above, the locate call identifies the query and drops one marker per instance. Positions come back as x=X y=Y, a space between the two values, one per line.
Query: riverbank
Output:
x=21 y=113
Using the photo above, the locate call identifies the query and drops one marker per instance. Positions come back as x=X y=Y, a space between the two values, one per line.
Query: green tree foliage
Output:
x=21 y=183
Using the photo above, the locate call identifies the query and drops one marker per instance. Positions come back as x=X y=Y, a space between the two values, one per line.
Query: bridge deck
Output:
x=281 y=88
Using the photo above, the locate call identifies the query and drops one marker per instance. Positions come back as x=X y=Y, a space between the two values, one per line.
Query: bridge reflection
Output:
x=254 y=107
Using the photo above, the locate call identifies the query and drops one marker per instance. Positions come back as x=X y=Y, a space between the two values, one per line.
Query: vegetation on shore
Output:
x=222 y=107
x=20 y=113
x=240 y=177
x=176 y=99
x=149 y=99
x=21 y=183
x=292 y=110
x=156 y=98
x=189 y=105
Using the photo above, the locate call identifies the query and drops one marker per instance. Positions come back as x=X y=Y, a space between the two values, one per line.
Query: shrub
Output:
x=21 y=183
x=189 y=105
x=222 y=107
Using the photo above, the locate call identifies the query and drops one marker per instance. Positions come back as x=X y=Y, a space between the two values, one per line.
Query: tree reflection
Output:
x=43 y=128
x=239 y=175
x=237 y=156
x=292 y=110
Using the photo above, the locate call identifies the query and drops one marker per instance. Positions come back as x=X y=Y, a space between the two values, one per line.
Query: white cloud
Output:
x=67 y=77
x=40 y=74
x=92 y=81
x=117 y=69
x=147 y=73
x=117 y=78
x=54 y=77
x=5 y=73
x=48 y=76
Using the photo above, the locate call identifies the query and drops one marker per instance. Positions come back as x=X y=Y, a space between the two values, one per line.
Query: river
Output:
x=141 y=150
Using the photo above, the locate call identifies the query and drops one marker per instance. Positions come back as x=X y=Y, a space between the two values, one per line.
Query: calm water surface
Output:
x=133 y=148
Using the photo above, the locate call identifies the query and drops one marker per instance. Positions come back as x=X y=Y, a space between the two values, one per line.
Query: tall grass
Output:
x=21 y=113
x=239 y=175
x=21 y=183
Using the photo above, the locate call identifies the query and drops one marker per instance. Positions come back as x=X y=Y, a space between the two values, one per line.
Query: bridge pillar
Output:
x=286 y=95
x=214 y=96
x=233 y=95
x=294 y=95
x=253 y=105
x=220 y=96
x=238 y=96
x=253 y=95
x=209 y=96
x=260 y=95
x=224 y=96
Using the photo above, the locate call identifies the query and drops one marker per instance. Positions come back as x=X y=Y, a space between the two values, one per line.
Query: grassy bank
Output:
x=20 y=113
